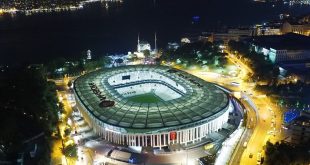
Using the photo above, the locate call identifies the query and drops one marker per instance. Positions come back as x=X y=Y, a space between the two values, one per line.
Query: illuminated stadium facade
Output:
x=150 y=105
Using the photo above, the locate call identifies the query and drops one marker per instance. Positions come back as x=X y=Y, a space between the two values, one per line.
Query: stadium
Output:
x=150 y=106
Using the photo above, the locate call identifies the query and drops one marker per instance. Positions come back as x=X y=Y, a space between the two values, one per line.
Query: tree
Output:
x=70 y=151
x=283 y=153
x=119 y=60
x=240 y=47
x=146 y=53
x=56 y=64
x=27 y=116
x=133 y=57
x=222 y=61
x=67 y=131
x=245 y=119
x=168 y=55
x=106 y=60
x=69 y=84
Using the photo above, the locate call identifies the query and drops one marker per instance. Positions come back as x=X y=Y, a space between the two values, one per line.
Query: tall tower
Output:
x=138 y=46
x=155 y=49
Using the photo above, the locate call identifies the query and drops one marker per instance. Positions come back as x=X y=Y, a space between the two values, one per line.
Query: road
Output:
x=246 y=135
x=264 y=117
x=56 y=154
x=269 y=118
x=268 y=128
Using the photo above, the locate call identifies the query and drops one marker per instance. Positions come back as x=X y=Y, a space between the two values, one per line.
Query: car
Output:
x=284 y=127
x=259 y=158
x=245 y=144
x=235 y=83
x=270 y=132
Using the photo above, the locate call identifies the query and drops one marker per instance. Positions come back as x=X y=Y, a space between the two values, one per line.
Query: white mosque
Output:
x=143 y=45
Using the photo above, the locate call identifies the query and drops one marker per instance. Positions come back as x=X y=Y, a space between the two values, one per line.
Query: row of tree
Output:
x=61 y=66
x=28 y=107
x=282 y=153
x=197 y=53
x=298 y=89
x=263 y=68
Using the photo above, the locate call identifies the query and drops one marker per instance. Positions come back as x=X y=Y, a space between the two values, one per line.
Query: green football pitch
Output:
x=145 y=98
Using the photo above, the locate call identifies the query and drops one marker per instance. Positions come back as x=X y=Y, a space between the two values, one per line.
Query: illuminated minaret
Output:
x=155 y=49
x=138 y=46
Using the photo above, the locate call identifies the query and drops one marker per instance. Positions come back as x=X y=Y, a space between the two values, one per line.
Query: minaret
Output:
x=155 y=49
x=138 y=46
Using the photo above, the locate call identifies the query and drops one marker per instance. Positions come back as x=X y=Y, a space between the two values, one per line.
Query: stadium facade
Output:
x=172 y=106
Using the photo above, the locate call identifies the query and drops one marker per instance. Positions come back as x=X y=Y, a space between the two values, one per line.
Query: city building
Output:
x=268 y=30
x=241 y=31
x=173 y=46
x=284 y=16
x=88 y=55
x=143 y=45
x=234 y=34
x=298 y=28
x=300 y=129
x=118 y=60
x=279 y=48
x=185 y=40
x=298 y=70
x=226 y=37
x=151 y=106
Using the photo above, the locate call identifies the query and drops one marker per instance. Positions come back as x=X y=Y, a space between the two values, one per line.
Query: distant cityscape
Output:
x=33 y=6
x=289 y=2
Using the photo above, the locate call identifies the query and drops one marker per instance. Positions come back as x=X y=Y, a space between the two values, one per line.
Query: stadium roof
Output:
x=199 y=104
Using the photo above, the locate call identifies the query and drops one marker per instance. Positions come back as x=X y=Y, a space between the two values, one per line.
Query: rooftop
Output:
x=202 y=102
x=290 y=41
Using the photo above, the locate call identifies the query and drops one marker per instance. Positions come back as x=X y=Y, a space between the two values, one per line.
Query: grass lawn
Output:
x=145 y=98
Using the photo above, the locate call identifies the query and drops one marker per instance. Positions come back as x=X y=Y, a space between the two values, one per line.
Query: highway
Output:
x=263 y=118
x=268 y=124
